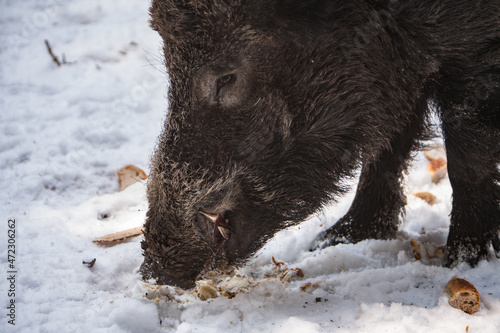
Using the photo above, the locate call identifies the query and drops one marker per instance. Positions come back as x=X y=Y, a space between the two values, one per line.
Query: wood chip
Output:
x=130 y=174
x=119 y=236
x=427 y=197
x=463 y=295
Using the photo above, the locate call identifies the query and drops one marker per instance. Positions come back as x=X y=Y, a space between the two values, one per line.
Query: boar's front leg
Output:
x=472 y=137
x=379 y=200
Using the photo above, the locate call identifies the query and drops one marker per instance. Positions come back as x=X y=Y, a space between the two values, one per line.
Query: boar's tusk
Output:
x=224 y=232
x=212 y=217
x=220 y=226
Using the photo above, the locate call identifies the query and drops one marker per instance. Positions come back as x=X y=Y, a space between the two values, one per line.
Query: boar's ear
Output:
x=172 y=16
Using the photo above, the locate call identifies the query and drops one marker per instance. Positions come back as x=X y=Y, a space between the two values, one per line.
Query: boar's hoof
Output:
x=349 y=231
x=471 y=250
x=339 y=233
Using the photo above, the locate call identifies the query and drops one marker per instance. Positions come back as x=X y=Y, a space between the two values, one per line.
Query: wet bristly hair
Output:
x=273 y=105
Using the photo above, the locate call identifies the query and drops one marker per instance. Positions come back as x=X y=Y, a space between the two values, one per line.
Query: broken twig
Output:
x=54 y=57
x=89 y=264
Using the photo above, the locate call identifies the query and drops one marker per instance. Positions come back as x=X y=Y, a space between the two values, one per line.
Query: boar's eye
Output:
x=223 y=83
x=221 y=87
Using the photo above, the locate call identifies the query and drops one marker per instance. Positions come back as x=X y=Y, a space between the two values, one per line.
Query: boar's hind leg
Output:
x=472 y=136
x=379 y=200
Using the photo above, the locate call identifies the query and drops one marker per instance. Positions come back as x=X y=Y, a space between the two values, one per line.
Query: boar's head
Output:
x=251 y=142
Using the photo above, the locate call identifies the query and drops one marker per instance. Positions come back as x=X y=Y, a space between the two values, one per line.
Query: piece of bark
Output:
x=463 y=295
x=119 y=236
x=130 y=174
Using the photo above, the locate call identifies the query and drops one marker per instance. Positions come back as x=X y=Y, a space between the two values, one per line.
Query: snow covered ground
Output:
x=66 y=130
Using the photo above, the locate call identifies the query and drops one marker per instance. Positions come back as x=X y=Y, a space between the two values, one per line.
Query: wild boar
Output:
x=274 y=103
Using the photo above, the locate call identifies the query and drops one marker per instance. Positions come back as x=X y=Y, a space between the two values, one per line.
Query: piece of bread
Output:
x=437 y=164
x=130 y=174
x=426 y=251
x=437 y=169
x=463 y=295
x=435 y=153
x=427 y=197
x=119 y=236
x=415 y=249
x=206 y=289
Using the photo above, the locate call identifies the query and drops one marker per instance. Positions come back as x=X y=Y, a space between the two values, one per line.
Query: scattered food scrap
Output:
x=229 y=287
x=206 y=289
x=119 y=236
x=235 y=285
x=425 y=250
x=286 y=274
x=437 y=164
x=427 y=197
x=463 y=295
x=130 y=174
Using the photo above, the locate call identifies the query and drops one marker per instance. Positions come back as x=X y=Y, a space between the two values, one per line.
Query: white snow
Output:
x=64 y=133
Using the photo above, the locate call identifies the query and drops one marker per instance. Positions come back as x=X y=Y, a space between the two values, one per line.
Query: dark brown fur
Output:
x=274 y=103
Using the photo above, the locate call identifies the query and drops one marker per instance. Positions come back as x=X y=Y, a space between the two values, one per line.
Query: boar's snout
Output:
x=191 y=225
